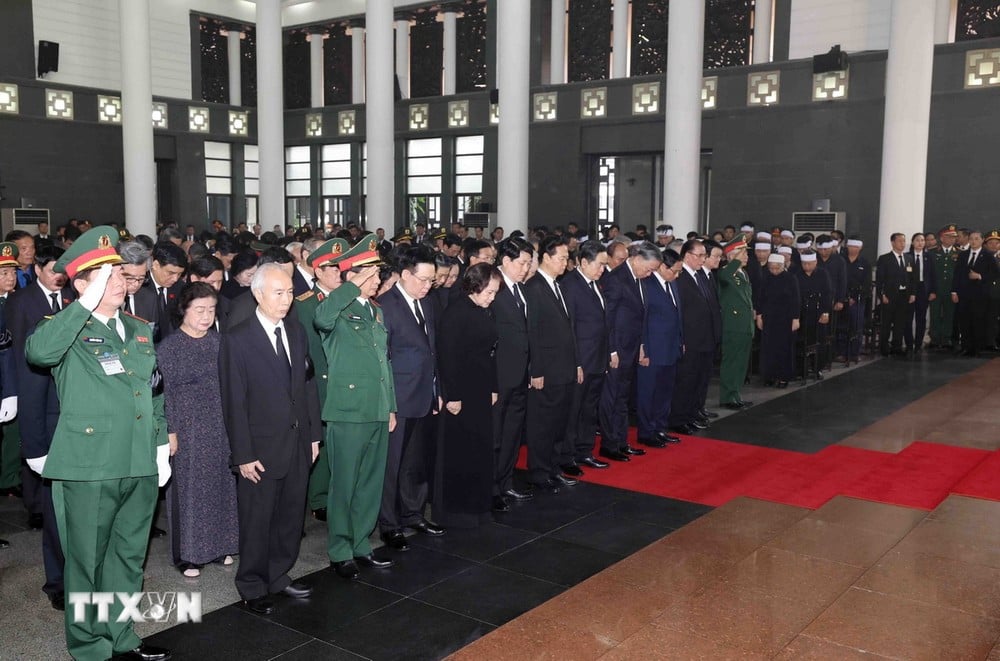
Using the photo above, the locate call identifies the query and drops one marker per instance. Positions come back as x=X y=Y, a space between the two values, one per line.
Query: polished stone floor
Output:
x=597 y=571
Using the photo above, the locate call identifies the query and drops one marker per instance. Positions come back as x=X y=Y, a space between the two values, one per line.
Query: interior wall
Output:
x=857 y=25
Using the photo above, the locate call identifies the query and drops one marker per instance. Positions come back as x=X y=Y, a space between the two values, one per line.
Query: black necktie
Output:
x=128 y=304
x=638 y=283
x=279 y=348
x=901 y=265
x=420 y=316
x=972 y=258
x=593 y=285
x=518 y=300
x=55 y=302
x=702 y=280
x=163 y=304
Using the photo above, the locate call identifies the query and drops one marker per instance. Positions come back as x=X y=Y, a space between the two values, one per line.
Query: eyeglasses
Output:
x=424 y=280
x=700 y=255
x=134 y=279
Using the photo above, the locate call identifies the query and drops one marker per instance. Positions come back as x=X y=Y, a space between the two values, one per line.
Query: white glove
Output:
x=8 y=409
x=163 y=463
x=37 y=464
x=95 y=289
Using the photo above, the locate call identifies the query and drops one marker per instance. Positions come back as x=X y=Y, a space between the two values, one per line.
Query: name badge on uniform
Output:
x=93 y=340
x=142 y=339
x=354 y=317
x=111 y=364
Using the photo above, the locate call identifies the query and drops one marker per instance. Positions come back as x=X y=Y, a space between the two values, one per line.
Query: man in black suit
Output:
x=626 y=315
x=166 y=266
x=271 y=410
x=926 y=282
x=702 y=332
x=586 y=306
x=896 y=288
x=140 y=301
x=209 y=270
x=553 y=368
x=38 y=405
x=509 y=311
x=974 y=271
x=411 y=324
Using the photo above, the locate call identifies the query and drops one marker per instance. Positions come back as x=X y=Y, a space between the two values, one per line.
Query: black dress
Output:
x=466 y=344
x=779 y=305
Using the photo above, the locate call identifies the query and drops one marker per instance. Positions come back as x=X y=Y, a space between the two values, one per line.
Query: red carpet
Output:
x=712 y=472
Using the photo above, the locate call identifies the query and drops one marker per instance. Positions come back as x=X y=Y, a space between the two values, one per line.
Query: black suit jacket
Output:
x=626 y=313
x=550 y=335
x=701 y=330
x=38 y=402
x=412 y=353
x=891 y=279
x=974 y=290
x=240 y=309
x=590 y=323
x=265 y=411
x=512 y=344
x=299 y=283
x=164 y=323
x=929 y=284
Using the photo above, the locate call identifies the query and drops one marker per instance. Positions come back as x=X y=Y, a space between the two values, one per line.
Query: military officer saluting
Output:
x=359 y=409
x=327 y=277
x=736 y=299
x=109 y=452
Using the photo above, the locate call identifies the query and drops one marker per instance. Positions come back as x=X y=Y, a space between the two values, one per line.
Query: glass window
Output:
x=218 y=176
x=335 y=170
x=251 y=174
x=298 y=171
x=468 y=174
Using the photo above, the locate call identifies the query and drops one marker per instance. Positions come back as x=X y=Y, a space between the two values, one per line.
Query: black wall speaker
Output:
x=835 y=60
x=494 y=95
x=48 y=57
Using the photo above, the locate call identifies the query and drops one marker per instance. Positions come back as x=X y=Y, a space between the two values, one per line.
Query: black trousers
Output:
x=973 y=319
x=694 y=369
x=916 y=328
x=509 y=416
x=271 y=514
x=618 y=386
x=581 y=427
x=52 y=553
x=548 y=411
x=407 y=467
x=894 y=321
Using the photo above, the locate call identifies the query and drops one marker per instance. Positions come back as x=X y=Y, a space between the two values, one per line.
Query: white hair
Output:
x=257 y=282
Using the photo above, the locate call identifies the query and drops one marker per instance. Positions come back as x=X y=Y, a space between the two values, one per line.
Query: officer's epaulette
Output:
x=305 y=296
x=129 y=314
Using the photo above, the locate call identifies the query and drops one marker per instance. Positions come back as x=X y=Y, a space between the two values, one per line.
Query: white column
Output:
x=619 y=39
x=557 y=44
x=449 y=19
x=316 y=69
x=513 y=69
x=907 y=119
x=235 y=70
x=762 y=31
x=943 y=30
x=403 y=55
x=137 y=126
x=682 y=153
x=357 y=63
x=270 y=114
x=379 y=111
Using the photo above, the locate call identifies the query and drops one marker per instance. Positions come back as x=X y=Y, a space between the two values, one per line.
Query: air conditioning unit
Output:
x=818 y=221
x=479 y=219
x=22 y=219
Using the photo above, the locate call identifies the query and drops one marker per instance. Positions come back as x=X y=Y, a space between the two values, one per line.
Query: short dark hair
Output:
x=191 y=292
x=169 y=233
x=169 y=254
x=408 y=258
x=711 y=245
x=893 y=236
x=452 y=239
x=589 y=250
x=511 y=248
x=244 y=260
x=473 y=246
x=549 y=244
x=17 y=235
x=47 y=254
x=205 y=266
x=275 y=255
x=478 y=277
x=670 y=257
x=689 y=245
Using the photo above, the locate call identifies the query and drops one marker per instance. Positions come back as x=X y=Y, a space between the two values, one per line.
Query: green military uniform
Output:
x=103 y=458
x=736 y=300
x=305 y=307
x=942 y=308
x=359 y=399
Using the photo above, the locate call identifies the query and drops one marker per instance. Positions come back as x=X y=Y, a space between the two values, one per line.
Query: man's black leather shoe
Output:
x=345 y=569
x=320 y=514
x=35 y=521
x=12 y=492
x=745 y=404
x=653 y=442
x=371 y=561
x=698 y=423
x=145 y=653
x=549 y=485
x=705 y=413
x=427 y=528
x=500 y=505
x=614 y=455
x=58 y=601
x=260 y=605
x=396 y=540
x=594 y=463
x=684 y=429
x=572 y=470
x=733 y=406
x=628 y=449
x=667 y=438
x=518 y=495
x=566 y=481
x=297 y=590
